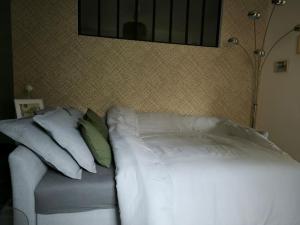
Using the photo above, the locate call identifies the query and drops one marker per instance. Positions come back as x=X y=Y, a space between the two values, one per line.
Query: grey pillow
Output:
x=24 y=131
x=62 y=126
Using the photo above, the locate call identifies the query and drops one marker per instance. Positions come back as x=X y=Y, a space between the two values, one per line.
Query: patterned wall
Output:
x=67 y=69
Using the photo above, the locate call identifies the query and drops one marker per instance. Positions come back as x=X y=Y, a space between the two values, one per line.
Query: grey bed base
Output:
x=27 y=170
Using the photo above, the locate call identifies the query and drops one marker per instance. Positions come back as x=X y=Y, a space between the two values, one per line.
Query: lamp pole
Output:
x=258 y=56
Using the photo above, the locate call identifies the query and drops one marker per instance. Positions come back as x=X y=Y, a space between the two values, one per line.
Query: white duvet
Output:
x=176 y=170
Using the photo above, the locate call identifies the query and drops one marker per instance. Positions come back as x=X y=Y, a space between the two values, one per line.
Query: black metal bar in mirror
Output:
x=190 y=22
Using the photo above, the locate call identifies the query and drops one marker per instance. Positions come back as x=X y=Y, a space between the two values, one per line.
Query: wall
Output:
x=279 y=102
x=67 y=69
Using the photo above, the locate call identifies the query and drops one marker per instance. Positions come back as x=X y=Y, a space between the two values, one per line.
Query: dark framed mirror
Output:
x=189 y=22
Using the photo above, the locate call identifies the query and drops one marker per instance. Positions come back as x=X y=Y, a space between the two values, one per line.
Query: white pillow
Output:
x=24 y=131
x=155 y=122
x=62 y=126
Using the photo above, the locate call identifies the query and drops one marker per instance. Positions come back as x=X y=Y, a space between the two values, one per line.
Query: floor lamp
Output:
x=259 y=55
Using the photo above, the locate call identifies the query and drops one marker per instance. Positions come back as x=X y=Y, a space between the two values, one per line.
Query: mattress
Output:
x=200 y=170
x=59 y=194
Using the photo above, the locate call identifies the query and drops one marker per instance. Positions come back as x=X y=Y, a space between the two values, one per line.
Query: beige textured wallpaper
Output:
x=67 y=69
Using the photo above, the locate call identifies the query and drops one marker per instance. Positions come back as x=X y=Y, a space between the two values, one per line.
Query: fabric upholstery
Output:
x=26 y=172
x=97 y=121
x=59 y=194
x=62 y=126
x=96 y=142
x=24 y=131
x=94 y=217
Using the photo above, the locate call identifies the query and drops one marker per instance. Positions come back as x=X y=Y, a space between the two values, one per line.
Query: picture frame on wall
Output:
x=28 y=107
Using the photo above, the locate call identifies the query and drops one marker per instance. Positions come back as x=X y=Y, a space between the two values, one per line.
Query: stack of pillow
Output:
x=64 y=138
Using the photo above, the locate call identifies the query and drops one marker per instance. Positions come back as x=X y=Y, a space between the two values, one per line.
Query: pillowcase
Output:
x=74 y=112
x=97 y=122
x=62 y=124
x=24 y=131
x=96 y=142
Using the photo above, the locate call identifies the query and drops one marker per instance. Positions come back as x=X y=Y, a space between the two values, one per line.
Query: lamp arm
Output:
x=267 y=27
x=248 y=55
x=254 y=32
x=273 y=46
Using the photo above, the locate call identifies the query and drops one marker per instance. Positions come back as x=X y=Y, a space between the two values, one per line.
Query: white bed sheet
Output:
x=175 y=170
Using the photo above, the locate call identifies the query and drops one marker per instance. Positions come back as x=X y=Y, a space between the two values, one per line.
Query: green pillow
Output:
x=97 y=121
x=96 y=142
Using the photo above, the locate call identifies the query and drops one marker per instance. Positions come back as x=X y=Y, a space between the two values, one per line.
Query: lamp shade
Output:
x=233 y=41
x=279 y=2
x=259 y=52
x=297 y=28
x=254 y=15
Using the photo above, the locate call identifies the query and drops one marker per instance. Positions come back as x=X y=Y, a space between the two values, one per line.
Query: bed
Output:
x=175 y=170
